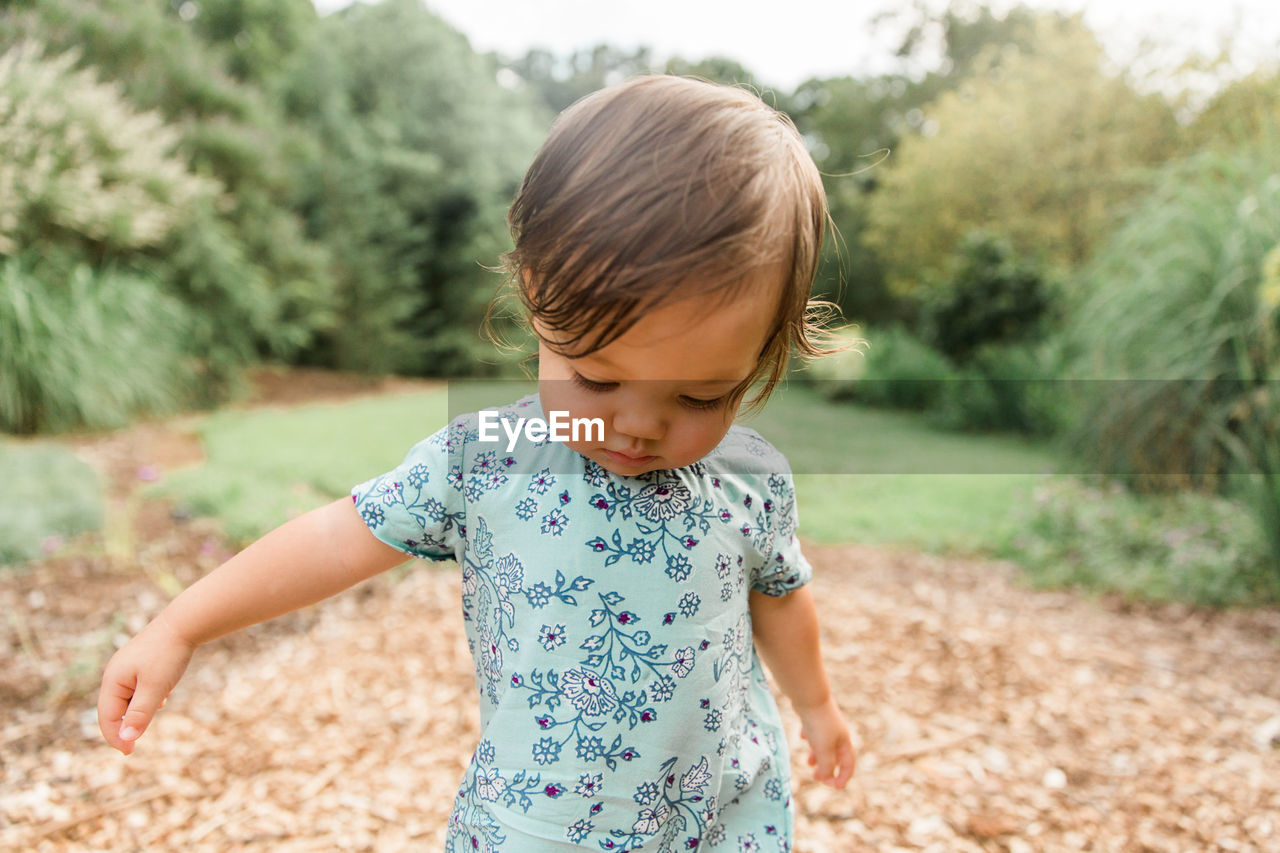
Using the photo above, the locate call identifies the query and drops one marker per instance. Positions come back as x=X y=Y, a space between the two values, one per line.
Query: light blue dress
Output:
x=622 y=704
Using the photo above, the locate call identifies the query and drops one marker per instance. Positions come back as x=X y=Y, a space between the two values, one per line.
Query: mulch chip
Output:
x=990 y=718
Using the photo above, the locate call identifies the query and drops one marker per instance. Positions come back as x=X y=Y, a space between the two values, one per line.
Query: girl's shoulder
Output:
x=745 y=452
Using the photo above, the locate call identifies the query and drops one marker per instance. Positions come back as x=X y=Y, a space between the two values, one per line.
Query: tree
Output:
x=1040 y=145
x=558 y=82
x=259 y=37
x=257 y=284
x=423 y=150
x=853 y=124
x=1242 y=111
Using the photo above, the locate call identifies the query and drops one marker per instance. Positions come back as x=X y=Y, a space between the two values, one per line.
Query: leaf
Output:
x=483 y=540
x=612 y=598
x=696 y=778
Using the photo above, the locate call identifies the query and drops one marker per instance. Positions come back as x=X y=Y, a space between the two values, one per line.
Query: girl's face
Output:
x=664 y=388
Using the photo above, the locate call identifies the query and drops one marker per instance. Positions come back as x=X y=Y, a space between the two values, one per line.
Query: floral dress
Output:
x=622 y=703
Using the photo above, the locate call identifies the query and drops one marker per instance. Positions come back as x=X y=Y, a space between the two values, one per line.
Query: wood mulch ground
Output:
x=990 y=717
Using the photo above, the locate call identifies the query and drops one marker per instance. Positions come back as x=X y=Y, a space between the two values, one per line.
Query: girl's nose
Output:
x=639 y=421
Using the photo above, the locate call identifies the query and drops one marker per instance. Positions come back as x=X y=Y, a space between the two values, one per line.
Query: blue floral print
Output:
x=622 y=704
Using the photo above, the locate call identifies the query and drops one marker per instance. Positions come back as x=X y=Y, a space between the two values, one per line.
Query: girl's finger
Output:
x=147 y=699
x=848 y=758
x=113 y=701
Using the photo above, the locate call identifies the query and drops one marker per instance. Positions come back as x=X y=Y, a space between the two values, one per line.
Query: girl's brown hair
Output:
x=663 y=188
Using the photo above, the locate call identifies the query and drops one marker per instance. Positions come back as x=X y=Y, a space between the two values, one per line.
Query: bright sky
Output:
x=829 y=37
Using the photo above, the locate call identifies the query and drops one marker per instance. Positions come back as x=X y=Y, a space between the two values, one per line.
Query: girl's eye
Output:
x=703 y=405
x=595 y=387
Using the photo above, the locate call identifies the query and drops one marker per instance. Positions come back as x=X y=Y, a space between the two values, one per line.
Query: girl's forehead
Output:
x=699 y=339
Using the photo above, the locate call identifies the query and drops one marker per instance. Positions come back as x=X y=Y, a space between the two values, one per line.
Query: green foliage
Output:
x=1242 y=112
x=893 y=369
x=988 y=296
x=80 y=165
x=969 y=35
x=31 y=519
x=557 y=82
x=1004 y=387
x=423 y=151
x=856 y=125
x=259 y=36
x=242 y=261
x=851 y=124
x=1179 y=333
x=723 y=69
x=1041 y=145
x=89 y=349
x=1186 y=547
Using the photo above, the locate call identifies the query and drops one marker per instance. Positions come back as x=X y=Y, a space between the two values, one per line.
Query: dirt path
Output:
x=991 y=717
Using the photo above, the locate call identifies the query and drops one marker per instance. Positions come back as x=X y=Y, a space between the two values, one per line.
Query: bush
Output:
x=894 y=370
x=239 y=257
x=90 y=350
x=1185 y=547
x=1004 y=388
x=989 y=296
x=80 y=165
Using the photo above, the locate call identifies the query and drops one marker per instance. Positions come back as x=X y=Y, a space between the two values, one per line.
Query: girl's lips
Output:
x=628 y=460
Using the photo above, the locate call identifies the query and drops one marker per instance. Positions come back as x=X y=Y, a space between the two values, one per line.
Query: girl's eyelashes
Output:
x=588 y=385
x=694 y=403
x=703 y=405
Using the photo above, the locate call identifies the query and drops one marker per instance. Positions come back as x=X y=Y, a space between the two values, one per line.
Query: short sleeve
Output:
x=784 y=568
x=417 y=507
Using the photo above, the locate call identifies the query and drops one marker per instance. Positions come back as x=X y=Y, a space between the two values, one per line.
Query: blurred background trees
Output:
x=190 y=187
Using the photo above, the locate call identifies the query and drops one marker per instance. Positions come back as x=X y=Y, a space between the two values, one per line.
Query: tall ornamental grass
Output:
x=1178 y=336
x=90 y=350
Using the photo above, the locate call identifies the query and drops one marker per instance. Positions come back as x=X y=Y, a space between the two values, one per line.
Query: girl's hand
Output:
x=831 y=750
x=137 y=680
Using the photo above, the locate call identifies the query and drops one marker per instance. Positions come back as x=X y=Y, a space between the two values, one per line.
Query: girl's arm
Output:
x=786 y=637
x=308 y=559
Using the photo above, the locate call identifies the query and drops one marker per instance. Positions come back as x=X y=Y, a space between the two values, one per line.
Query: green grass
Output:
x=939 y=513
x=264 y=466
x=47 y=495
x=898 y=480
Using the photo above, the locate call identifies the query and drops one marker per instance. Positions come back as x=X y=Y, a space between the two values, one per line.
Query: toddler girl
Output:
x=617 y=582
